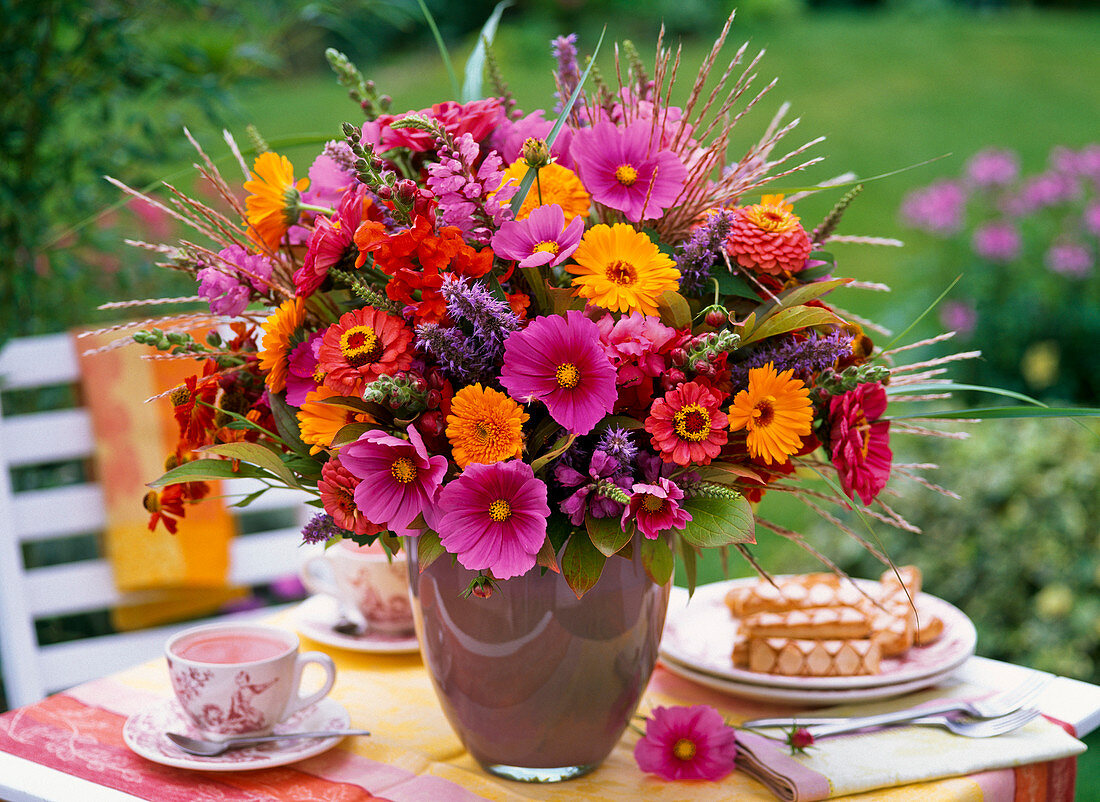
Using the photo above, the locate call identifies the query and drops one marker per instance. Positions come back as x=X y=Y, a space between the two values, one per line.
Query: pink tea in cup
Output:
x=230 y=647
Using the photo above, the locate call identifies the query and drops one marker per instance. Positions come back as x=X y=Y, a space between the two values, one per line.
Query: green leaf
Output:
x=688 y=559
x=657 y=559
x=350 y=433
x=607 y=534
x=948 y=387
x=428 y=549
x=562 y=299
x=622 y=421
x=581 y=563
x=731 y=284
x=559 y=448
x=989 y=413
x=529 y=178
x=358 y=404
x=286 y=421
x=674 y=310
x=719 y=522
x=799 y=295
x=258 y=455
x=546 y=557
x=793 y=319
x=203 y=470
x=475 y=65
x=455 y=92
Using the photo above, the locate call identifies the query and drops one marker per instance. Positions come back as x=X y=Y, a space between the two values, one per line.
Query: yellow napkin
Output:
x=171 y=577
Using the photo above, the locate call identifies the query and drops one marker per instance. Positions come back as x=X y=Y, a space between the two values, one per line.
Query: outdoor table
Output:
x=70 y=746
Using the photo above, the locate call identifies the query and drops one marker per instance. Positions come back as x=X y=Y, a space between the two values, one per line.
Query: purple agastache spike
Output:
x=697 y=256
x=805 y=357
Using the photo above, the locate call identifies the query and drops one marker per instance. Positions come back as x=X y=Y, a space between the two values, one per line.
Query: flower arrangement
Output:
x=523 y=340
x=1027 y=247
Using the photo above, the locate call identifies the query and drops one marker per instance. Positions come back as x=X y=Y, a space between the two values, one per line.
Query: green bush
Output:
x=1020 y=551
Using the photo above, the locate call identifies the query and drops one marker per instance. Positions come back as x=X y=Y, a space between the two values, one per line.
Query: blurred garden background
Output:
x=913 y=89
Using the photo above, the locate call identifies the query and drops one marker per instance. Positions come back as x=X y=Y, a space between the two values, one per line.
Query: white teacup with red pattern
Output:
x=241 y=679
x=366 y=582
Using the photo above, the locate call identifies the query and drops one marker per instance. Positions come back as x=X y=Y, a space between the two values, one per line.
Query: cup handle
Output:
x=317 y=576
x=297 y=701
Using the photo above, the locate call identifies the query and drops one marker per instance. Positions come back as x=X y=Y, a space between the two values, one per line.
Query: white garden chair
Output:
x=30 y=670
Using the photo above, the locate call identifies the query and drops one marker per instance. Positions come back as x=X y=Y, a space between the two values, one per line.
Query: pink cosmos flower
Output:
x=398 y=481
x=623 y=169
x=329 y=177
x=494 y=517
x=687 y=743
x=558 y=360
x=542 y=238
x=656 y=508
x=860 y=441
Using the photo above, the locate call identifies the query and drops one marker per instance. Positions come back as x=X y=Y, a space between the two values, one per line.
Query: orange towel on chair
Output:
x=169 y=577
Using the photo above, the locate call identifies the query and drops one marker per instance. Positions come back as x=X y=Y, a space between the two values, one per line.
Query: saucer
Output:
x=316 y=616
x=144 y=733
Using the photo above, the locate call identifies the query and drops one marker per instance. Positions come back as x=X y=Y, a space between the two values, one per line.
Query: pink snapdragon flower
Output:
x=494 y=517
x=541 y=238
x=470 y=195
x=624 y=170
x=398 y=480
x=687 y=743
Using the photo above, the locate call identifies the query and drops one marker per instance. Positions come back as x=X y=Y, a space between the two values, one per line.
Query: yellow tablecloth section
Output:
x=391 y=695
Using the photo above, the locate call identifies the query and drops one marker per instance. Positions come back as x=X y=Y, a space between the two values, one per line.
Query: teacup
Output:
x=241 y=679
x=366 y=582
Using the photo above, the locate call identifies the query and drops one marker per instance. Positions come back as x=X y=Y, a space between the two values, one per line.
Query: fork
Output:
x=980 y=728
x=991 y=707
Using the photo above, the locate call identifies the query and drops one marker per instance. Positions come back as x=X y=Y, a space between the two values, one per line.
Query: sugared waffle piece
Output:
x=814 y=658
x=815 y=623
x=792 y=593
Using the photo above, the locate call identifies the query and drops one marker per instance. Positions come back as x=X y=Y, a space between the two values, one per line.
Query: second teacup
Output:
x=366 y=581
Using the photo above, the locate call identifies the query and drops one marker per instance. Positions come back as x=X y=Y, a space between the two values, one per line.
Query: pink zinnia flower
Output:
x=686 y=425
x=332 y=243
x=687 y=743
x=398 y=480
x=656 y=508
x=860 y=441
x=623 y=169
x=559 y=361
x=541 y=238
x=494 y=517
x=337 y=487
x=304 y=374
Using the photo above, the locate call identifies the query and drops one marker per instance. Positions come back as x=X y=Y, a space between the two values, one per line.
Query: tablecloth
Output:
x=413 y=755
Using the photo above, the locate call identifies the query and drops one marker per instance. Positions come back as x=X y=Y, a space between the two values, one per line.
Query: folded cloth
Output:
x=168 y=577
x=848 y=764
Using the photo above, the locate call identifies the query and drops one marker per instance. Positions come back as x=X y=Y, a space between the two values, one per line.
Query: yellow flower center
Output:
x=567 y=375
x=547 y=246
x=403 y=470
x=653 y=503
x=626 y=175
x=775 y=219
x=622 y=273
x=500 y=510
x=360 y=345
x=684 y=749
x=692 y=423
x=318 y=374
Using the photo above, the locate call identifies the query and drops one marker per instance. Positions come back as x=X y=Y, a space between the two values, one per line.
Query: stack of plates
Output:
x=698 y=641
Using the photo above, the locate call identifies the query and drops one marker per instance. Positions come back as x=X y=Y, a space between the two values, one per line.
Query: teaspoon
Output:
x=205 y=748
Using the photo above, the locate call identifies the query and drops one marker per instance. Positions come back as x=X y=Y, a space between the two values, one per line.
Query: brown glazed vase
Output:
x=538 y=684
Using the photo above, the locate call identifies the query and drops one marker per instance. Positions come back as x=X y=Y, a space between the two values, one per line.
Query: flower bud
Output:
x=716 y=318
x=536 y=153
x=678 y=356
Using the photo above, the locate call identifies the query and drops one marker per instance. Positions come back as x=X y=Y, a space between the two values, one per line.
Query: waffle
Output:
x=814 y=658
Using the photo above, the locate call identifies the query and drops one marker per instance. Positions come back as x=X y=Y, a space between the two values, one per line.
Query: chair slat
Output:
x=38 y=362
x=36 y=512
x=43 y=437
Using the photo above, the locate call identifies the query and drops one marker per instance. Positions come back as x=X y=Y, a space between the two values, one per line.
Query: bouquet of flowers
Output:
x=1027 y=246
x=526 y=336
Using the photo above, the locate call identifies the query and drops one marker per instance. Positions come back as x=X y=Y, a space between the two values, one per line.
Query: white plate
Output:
x=316 y=616
x=699 y=636
x=803 y=696
x=144 y=733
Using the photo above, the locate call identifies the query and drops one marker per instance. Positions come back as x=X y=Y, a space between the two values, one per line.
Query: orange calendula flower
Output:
x=557 y=184
x=274 y=201
x=485 y=426
x=622 y=270
x=776 y=411
x=277 y=342
x=319 y=422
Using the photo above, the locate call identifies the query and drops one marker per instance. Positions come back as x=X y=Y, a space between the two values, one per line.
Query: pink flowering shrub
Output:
x=1028 y=249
